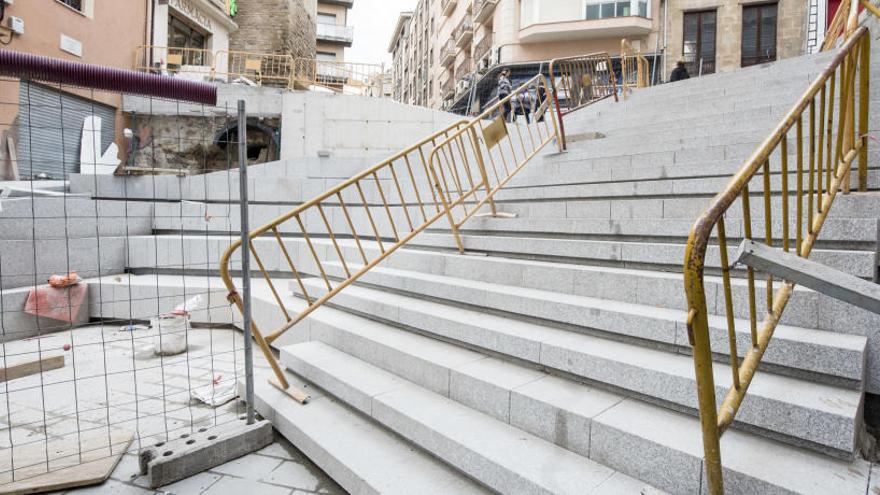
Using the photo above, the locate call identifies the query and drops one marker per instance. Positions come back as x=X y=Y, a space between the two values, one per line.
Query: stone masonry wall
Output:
x=790 y=35
x=275 y=26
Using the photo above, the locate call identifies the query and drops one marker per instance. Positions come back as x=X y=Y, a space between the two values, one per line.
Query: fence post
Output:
x=864 y=100
x=245 y=262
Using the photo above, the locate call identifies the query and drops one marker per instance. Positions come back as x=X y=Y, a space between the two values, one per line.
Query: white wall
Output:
x=346 y=125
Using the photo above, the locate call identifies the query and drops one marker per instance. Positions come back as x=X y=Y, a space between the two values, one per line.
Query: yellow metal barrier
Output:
x=365 y=219
x=159 y=59
x=823 y=159
x=476 y=161
x=634 y=68
x=579 y=81
x=845 y=20
x=340 y=77
x=262 y=68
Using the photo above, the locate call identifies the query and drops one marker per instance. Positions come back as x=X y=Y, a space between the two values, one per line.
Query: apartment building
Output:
x=333 y=34
x=447 y=53
x=43 y=122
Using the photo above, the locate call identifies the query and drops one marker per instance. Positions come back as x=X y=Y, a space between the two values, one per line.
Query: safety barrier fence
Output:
x=634 y=68
x=838 y=25
x=272 y=69
x=342 y=77
x=579 y=81
x=829 y=135
x=451 y=174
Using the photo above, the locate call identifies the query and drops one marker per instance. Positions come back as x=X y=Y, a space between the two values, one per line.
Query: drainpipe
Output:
x=665 y=37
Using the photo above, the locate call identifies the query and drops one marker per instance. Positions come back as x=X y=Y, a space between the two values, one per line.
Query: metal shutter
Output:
x=49 y=142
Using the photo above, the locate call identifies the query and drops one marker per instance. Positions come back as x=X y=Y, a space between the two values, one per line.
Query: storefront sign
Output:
x=193 y=13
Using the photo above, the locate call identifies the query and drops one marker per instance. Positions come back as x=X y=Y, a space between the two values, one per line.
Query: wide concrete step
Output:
x=504 y=458
x=360 y=455
x=776 y=404
x=638 y=439
x=836 y=359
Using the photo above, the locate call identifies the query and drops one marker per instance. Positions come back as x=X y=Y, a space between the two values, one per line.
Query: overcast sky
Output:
x=374 y=22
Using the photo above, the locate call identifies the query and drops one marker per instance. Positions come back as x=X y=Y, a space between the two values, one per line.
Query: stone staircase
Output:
x=553 y=356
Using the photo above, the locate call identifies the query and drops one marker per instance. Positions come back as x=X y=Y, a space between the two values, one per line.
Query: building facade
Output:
x=712 y=36
x=333 y=33
x=44 y=123
x=447 y=53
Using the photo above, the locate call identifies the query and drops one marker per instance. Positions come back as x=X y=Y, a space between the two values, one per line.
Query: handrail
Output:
x=365 y=219
x=583 y=80
x=845 y=20
x=634 y=68
x=831 y=151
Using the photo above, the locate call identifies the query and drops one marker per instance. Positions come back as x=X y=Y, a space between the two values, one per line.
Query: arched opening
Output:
x=262 y=141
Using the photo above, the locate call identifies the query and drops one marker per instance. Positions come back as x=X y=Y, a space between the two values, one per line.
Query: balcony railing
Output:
x=447 y=7
x=447 y=53
x=464 y=68
x=484 y=46
x=483 y=10
x=447 y=90
x=464 y=32
x=335 y=32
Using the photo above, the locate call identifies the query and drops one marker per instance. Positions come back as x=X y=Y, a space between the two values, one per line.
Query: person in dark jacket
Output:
x=504 y=90
x=680 y=73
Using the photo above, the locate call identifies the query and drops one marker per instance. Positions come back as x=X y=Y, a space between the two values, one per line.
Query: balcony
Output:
x=334 y=33
x=447 y=89
x=447 y=54
x=484 y=46
x=464 y=68
x=483 y=10
x=447 y=7
x=601 y=19
x=463 y=33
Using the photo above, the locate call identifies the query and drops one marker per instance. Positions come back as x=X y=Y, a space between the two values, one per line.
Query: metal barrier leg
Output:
x=864 y=97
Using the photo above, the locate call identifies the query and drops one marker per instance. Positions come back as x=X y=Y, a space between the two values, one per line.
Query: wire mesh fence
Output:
x=121 y=203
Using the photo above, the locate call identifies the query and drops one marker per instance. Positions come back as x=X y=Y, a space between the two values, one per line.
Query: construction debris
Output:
x=22 y=370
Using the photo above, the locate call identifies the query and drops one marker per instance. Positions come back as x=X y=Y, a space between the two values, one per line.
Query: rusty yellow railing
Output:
x=634 y=68
x=579 y=81
x=829 y=134
x=842 y=20
x=360 y=222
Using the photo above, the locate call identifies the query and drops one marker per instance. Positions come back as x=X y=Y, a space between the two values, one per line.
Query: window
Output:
x=605 y=9
x=74 y=4
x=326 y=18
x=182 y=36
x=698 y=44
x=326 y=56
x=759 y=34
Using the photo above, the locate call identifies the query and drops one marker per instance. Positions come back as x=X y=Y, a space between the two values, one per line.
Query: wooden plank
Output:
x=293 y=392
x=13 y=157
x=21 y=370
x=85 y=474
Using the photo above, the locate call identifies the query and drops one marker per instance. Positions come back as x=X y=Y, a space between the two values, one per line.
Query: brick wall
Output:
x=275 y=26
x=790 y=35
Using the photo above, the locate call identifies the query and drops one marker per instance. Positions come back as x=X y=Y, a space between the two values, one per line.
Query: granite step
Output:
x=360 y=455
x=777 y=405
x=502 y=457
